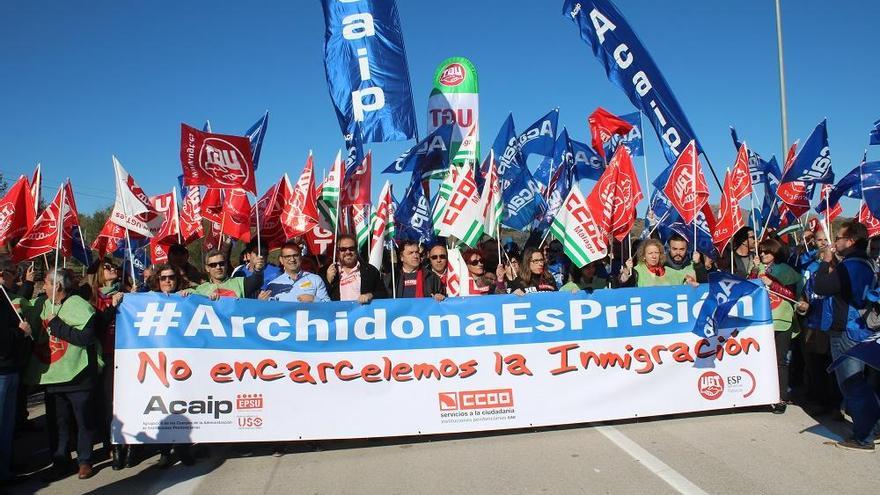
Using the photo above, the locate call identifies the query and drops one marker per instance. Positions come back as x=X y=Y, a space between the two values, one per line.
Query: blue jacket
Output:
x=846 y=288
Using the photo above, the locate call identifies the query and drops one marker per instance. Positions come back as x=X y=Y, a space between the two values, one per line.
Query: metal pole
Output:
x=781 y=77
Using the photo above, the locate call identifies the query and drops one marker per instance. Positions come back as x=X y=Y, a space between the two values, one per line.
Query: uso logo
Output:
x=452 y=75
x=710 y=385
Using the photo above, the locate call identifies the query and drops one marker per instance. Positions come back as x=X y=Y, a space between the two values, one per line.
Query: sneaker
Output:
x=164 y=461
x=778 y=408
x=851 y=444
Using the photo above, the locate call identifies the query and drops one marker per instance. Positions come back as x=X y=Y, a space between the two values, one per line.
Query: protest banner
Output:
x=192 y=370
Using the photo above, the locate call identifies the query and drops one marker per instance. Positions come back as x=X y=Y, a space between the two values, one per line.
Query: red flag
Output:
x=212 y=239
x=269 y=207
x=600 y=201
x=109 y=238
x=356 y=187
x=168 y=230
x=869 y=220
x=212 y=205
x=320 y=240
x=236 y=215
x=44 y=235
x=191 y=216
x=730 y=218
x=16 y=211
x=740 y=177
x=686 y=192
x=216 y=160
x=299 y=212
x=794 y=195
x=627 y=194
x=834 y=212
x=604 y=125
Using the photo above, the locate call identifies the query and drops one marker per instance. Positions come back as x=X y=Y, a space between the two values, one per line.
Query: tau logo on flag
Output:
x=710 y=385
x=224 y=162
x=453 y=75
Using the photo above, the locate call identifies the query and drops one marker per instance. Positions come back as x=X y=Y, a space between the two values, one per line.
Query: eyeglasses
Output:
x=537 y=261
x=475 y=262
x=216 y=264
x=346 y=249
x=289 y=256
x=438 y=256
x=165 y=278
x=110 y=267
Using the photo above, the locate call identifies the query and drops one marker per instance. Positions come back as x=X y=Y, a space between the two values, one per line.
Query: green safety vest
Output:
x=55 y=360
x=231 y=287
x=648 y=279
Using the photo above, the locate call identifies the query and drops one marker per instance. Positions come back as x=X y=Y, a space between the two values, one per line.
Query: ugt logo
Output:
x=710 y=385
x=223 y=161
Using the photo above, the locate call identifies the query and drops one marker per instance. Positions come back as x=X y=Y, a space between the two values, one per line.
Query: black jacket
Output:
x=371 y=282
x=836 y=282
x=13 y=343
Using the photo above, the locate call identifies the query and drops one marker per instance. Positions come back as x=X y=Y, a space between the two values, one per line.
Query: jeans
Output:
x=81 y=402
x=783 y=348
x=8 y=395
x=859 y=399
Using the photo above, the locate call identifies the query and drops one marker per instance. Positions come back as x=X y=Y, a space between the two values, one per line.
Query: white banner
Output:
x=366 y=372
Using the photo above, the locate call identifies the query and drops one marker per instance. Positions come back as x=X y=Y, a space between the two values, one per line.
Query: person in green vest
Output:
x=678 y=261
x=584 y=278
x=785 y=285
x=650 y=268
x=220 y=285
x=70 y=365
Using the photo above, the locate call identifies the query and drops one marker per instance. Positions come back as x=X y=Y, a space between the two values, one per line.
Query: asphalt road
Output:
x=742 y=452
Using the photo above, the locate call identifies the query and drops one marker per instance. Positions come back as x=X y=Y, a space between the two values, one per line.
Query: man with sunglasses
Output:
x=219 y=285
x=845 y=276
x=350 y=280
x=295 y=284
x=435 y=279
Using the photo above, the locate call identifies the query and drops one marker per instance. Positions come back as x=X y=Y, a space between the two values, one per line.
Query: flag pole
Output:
x=82 y=240
x=176 y=214
x=694 y=202
x=392 y=255
x=257 y=210
x=828 y=217
x=59 y=223
x=341 y=179
x=782 y=98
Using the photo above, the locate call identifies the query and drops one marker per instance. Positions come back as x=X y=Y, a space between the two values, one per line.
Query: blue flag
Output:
x=427 y=157
x=79 y=249
x=871 y=187
x=367 y=72
x=632 y=140
x=850 y=186
x=717 y=313
x=413 y=214
x=520 y=192
x=255 y=134
x=813 y=162
x=587 y=163
x=866 y=351
x=558 y=178
x=140 y=249
x=874 y=135
x=354 y=150
x=540 y=137
x=610 y=36
x=561 y=155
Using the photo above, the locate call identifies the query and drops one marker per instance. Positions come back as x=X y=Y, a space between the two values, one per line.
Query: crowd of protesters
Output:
x=58 y=332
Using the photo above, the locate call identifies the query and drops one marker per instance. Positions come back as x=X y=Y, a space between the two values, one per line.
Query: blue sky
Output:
x=80 y=81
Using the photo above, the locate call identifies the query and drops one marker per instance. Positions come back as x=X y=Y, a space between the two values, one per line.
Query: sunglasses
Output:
x=289 y=256
x=110 y=267
x=438 y=257
x=216 y=264
x=475 y=262
x=165 y=278
x=346 y=249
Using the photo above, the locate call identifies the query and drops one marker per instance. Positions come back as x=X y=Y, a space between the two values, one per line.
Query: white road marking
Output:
x=672 y=477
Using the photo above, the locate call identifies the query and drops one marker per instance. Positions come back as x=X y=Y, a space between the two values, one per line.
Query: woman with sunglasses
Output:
x=105 y=296
x=785 y=284
x=481 y=282
x=168 y=279
x=533 y=275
